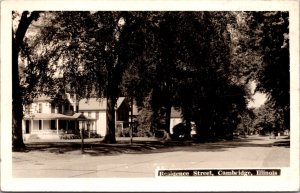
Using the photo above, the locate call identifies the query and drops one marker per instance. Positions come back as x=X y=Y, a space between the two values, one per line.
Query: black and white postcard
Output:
x=150 y=95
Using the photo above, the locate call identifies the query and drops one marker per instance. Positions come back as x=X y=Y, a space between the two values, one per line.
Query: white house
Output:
x=175 y=118
x=96 y=109
x=48 y=118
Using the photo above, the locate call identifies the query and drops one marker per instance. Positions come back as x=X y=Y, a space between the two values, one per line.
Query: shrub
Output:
x=95 y=135
x=69 y=136
x=143 y=133
x=125 y=132
x=78 y=136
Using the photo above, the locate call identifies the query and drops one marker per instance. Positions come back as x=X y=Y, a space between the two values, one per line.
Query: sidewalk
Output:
x=142 y=158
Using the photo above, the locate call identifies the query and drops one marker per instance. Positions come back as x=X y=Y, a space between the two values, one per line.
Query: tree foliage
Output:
x=198 y=62
x=19 y=46
x=268 y=119
x=268 y=45
x=187 y=64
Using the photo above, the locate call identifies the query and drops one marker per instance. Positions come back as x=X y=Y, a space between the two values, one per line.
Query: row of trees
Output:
x=199 y=62
x=263 y=120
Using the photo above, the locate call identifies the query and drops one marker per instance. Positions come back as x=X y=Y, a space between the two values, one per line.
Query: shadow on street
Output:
x=97 y=148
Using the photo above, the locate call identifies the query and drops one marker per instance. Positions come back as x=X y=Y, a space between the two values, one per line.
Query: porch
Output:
x=51 y=126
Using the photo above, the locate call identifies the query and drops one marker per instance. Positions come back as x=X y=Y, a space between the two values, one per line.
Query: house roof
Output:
x=59 y=97
x=120 y=101
x=53 y=116
x=81 y=116
x=42 y=97
x=175 y=113
x=48 y=116
x=97 y=104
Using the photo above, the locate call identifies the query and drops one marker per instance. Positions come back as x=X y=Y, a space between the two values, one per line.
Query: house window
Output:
x=40 y=108
x=59 y=108
x=27 y=127
x=52 y=108
x=97 y=115
x=40 y=124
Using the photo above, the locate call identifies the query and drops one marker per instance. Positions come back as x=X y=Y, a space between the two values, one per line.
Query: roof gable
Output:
x=92 y=104
x=81 y=116
x=175 y=113
x=42 y=97
x=97 y=104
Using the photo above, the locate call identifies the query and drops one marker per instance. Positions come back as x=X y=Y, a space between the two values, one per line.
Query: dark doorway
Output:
x=53 y=124
x=40 y=124
x=27 y=128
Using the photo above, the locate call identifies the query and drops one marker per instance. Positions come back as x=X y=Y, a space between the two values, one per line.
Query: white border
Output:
x=290 y=176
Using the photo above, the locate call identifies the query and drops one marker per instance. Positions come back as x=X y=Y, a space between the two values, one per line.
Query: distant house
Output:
x=48 y=118
x=135 y=113
x=96 y=109
x=175 y=118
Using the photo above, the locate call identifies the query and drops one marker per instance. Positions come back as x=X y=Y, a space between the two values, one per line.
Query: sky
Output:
x=258 y=97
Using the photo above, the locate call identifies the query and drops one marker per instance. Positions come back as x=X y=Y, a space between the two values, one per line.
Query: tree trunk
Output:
x=167 y=135
x=203 y=125
x=17 y=103
x=187 y=134
x=110 y=136
x=17 y=109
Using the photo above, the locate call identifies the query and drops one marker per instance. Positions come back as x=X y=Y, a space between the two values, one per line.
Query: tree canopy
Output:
x=198 y=62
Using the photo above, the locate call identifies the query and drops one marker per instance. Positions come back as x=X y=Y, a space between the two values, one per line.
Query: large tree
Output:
x=262 y=48
x=92 y=49
x=274 y=77
x=18 y=44
x=186 y=64
x=194 y=61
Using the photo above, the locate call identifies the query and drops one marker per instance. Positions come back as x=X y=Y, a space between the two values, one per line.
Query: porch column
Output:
x=31 y=125
x=96 y=126
x=56 y=126
x=42 y=124
x=23 y=126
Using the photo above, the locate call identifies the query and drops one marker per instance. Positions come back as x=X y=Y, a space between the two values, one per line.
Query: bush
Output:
x=78 y=136
x=69 y=136
x=119 y=132
x=124 y=133
x=159 y=133
x=141 y=133
x=95 y=135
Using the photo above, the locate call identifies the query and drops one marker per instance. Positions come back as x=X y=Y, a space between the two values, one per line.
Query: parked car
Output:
x=180 y=130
